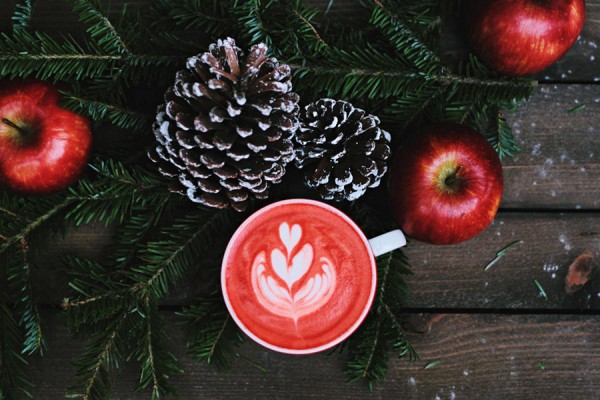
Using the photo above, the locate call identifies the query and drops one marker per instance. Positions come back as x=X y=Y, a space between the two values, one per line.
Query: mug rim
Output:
x=348 y=331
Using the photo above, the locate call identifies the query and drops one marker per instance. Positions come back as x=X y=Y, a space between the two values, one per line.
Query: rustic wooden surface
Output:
x=500 y=339
x=481 y=357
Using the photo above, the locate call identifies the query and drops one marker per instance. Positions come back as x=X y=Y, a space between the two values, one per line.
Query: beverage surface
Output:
x=298 y=277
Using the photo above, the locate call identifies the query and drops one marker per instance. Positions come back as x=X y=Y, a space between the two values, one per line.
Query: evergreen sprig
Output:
x=23 y=14
x=209 y=16
x=13 y=382
x=158 y=364
x=24 y=54
x=406 y=41
x=28 y=307
x=188 y=240
x=212 y=335
x=101 y=111
x=104 y=353
x=133 y=287
x=382 y=331
x=102 y=31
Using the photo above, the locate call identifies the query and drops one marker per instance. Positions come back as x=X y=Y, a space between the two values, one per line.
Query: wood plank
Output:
x=559 y=165
x=453 y=276
x=482 y=357
x=445 y=276
x=581 y=63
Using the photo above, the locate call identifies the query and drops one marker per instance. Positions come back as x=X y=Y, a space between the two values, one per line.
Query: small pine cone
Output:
x=341 y=148
x=225 y=131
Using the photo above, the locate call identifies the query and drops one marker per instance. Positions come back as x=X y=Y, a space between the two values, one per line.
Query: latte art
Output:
x=298 y=276
x=296 y=283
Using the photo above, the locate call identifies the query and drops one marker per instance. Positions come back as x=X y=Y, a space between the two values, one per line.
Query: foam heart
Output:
x=290 y=237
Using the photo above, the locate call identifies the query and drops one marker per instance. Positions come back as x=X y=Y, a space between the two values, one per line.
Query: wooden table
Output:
x=495 y=336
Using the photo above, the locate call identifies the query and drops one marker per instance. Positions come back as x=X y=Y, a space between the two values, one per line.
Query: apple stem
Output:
x=450 y=179
x=13 y=125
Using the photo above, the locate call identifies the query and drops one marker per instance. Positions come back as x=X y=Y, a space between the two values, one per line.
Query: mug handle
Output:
x=387 y=242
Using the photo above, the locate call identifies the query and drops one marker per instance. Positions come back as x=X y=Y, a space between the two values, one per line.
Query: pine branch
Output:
x=212 y=336
x=23 y=14
x=135 y=232
x=19 y=277
x=13 y=382
x=471 y=109
x=400 y=345
x=302 y=30
x=500 y=135
x=35 y=224
x=412 y=107
x=110 y=199
x=103 y=353
x=100 y=28
x=405 y=40
x=157 y=363
x=209 y=16
x=167 y=261
x=101 y=294
x=392 y=289
x=117 y=115
x=352 y=73
x=306 y=17
x=382 y=331
x=287 y=28
x=24 y=54
x=369 y=354
x=161 y=264
x=250 y=16
x=13 y=214
x=124 y=319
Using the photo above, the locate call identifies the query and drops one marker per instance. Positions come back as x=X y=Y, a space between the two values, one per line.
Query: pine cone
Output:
x=342 y=149
x=225 y=130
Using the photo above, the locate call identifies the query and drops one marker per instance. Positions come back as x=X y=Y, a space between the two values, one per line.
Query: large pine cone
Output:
x=225 y=130
x=341 y=148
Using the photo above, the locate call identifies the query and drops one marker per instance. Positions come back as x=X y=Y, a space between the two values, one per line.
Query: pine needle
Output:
x=253 y=363
x=541 y=289
x=23 y=14
x=501 y=254
x=432 y=364
x=541 y=366
x=577 y=108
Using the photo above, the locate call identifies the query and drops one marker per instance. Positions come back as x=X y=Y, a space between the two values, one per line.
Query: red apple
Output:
x=522 y=37
x=43 y=148
x=445 y=184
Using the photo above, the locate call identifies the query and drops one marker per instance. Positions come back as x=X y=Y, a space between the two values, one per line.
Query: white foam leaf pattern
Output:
x=279 y=264
x=300 y=264
x=280 y=287
x=290 y=237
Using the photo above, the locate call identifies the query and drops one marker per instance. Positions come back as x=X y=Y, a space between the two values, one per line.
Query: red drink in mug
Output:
x=299 y=276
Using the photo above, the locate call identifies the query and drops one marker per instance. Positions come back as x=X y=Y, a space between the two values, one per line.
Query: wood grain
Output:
x=482 y=357
x=559 y=165
x=454 y=276
x=445 y=276
x=581 y=63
